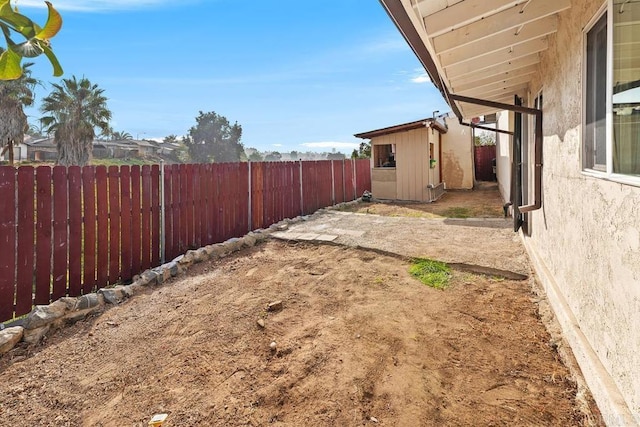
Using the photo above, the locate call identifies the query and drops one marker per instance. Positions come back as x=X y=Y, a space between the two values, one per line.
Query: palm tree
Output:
x=121 y=136
x=75 y=109
x=14 y=95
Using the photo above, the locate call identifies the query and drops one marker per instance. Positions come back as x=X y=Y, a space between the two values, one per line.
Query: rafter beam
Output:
x=507 y=90
x=500 y=85
x=496 y=42
x=511 y=66
x=463 y=13
x=502 y=77
x=514 y=17
x=500 y=57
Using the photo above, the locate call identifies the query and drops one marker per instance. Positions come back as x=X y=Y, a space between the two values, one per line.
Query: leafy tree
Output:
x=170 y=139
x=121 y=136
x=484 y=138
x=214 y=139
x=363 y=152
x=76 y=108
x=14 y=95
x=37 y=40
x=255 y=157
x=294 y=155
x=335 y=156
x=273 y=157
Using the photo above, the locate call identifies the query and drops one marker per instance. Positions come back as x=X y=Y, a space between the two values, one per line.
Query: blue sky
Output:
x=297 y=75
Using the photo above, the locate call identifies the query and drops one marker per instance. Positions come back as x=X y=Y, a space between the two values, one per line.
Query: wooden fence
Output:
x=71 y=231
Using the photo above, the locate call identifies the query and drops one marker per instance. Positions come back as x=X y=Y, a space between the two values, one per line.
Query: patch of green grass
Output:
x=457 y=212
x=432 y=273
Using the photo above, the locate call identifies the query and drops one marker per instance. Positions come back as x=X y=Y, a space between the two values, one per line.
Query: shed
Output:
x=412 y=161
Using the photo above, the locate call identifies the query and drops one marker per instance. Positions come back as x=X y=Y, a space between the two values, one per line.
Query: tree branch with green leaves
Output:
x=36 y=40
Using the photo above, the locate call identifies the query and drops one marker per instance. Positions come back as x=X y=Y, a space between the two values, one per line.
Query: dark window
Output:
x=595 y=147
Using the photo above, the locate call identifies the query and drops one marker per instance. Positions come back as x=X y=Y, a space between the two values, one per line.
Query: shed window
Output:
x=612 y=91
x=384 y=155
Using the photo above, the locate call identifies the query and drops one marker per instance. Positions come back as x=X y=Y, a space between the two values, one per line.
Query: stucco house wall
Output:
x=503 y=154
x=457 y=156
x=585 y=241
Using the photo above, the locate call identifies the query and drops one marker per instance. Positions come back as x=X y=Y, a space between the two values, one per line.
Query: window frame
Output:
x=606 y=173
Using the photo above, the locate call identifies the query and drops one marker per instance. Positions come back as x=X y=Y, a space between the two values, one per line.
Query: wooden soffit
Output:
x=487 y=49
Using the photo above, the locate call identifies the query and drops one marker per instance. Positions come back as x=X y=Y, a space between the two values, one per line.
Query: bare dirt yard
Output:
x=358 y=341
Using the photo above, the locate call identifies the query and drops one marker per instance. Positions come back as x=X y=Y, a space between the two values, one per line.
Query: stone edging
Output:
x=44 y=319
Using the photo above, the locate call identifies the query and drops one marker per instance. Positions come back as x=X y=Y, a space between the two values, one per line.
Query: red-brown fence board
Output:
x=175 y=210
x=146 y=218
x=43 y=236
x=197 y=207
x=90 y=237
x=136 y=219
x=114 y=224
x=188 y=189
x=257 y=195
x=338 y=177
x=60 y=245
x=182 y=192
x=7 y=240
x=102 y=204
x=126 y=271
x=168 y=224
x=74 y=175
x=348 y=180
x=26 y=242
x=205 y=206
x=155 y=215
x=363 y=176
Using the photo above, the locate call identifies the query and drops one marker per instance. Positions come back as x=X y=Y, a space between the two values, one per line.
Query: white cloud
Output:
x=94 y=5
x=277 y=145
x=331 y=144
x=421 y=78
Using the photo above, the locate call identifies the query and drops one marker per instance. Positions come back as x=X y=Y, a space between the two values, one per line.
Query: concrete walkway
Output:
x=487 y=242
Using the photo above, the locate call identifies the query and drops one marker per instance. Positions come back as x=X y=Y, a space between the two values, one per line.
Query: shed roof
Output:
x=403 y=128
x=485 y=49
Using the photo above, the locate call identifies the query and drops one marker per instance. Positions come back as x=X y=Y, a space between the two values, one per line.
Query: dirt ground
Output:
x=359 y=341
x=484 y=202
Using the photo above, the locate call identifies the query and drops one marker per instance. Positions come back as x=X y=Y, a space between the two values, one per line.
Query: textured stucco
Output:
x=457 y=157
x=585 y=241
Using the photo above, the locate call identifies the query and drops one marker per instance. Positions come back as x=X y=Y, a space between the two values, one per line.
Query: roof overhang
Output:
x=430 y=123
x=484 y=49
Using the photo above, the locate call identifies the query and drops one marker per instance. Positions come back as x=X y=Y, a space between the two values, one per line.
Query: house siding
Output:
x=585 y=241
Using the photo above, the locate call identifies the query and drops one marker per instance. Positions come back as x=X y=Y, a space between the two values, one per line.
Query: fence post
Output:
x=333 y=184
x=301 y=190
x=250 y=198
x=163 y=226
